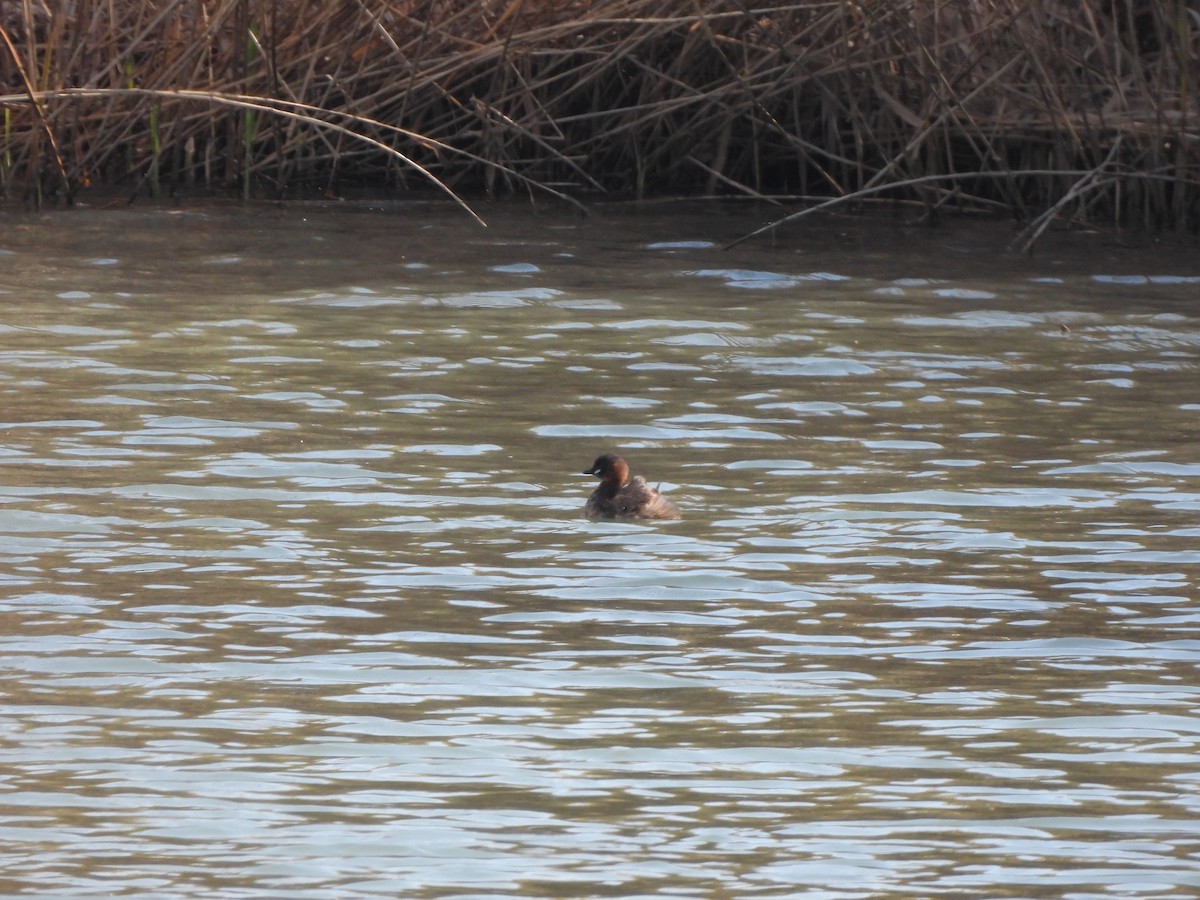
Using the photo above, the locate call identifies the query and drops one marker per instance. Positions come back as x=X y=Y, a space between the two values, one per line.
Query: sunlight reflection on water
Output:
x=297 y=598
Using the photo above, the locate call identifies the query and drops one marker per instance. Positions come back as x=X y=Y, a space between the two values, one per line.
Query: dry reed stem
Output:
x=1005 y=100
x=39 y=110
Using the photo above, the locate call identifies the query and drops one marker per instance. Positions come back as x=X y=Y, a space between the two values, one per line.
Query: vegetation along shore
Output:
x=1050 y=111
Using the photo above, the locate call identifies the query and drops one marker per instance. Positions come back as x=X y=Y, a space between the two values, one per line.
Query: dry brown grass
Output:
x=1045 y=109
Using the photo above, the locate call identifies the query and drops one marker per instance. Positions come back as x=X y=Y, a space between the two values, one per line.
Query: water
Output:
x=296 y=601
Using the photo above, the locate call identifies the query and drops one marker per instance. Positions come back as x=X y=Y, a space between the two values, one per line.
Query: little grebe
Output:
x=619 y=496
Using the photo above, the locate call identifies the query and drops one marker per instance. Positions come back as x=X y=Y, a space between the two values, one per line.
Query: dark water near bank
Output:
x=295 y=602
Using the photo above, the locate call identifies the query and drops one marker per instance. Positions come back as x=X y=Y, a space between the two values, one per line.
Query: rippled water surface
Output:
x=295 y=600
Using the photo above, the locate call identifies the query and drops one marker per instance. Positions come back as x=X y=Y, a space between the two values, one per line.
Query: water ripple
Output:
x=282 y=621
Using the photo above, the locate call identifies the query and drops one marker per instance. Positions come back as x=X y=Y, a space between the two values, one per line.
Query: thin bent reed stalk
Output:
x=1088 y=182
x=287 y=109
x=931 y=179
x=34 y=97
x=311 y=115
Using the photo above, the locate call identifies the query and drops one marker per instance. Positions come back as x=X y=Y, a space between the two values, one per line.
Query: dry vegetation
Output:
x=1043 y=109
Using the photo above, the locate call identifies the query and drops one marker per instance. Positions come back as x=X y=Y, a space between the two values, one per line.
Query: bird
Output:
x=620 y=497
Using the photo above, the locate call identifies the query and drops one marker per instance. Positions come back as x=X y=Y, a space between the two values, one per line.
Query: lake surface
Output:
x=295 y=598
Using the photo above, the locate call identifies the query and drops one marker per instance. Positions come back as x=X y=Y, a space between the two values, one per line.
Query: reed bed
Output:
x=1046 y=110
